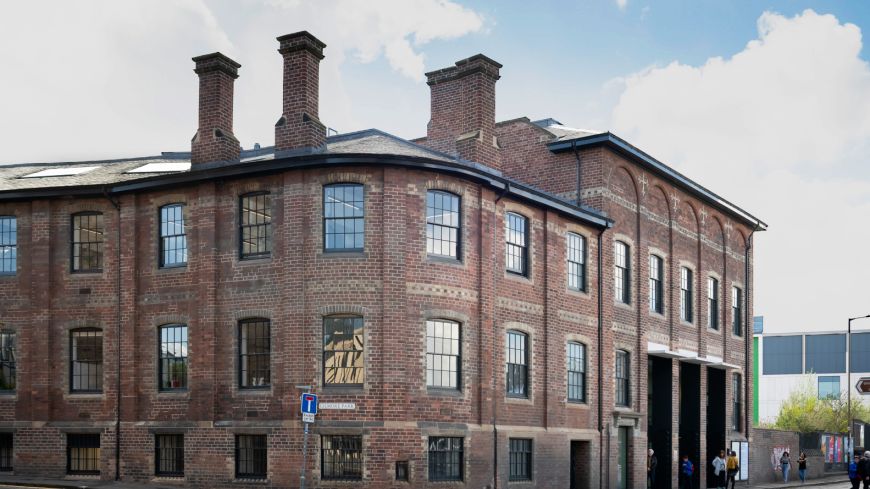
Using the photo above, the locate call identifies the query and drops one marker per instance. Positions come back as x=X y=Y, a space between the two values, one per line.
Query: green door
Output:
x=622 y=459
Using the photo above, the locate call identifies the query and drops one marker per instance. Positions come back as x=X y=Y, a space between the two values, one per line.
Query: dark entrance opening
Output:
x=623 y=465
x=659 y=418
x=690 y=417
x=581 y=465
x=715 y=419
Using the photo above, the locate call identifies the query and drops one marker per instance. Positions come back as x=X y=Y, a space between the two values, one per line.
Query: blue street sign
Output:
x=309 y=403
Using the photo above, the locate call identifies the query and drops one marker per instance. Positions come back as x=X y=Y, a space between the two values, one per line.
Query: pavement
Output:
x=840 y=481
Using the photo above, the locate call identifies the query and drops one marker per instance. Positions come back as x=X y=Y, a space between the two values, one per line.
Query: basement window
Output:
x=61 y=172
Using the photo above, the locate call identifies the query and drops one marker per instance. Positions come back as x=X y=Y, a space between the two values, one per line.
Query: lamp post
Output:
x=849 y=376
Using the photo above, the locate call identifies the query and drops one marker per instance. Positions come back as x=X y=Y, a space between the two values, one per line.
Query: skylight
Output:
x=162 y=167
x=61 y=172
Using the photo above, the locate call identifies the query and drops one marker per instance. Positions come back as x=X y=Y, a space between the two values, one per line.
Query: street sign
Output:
x=309 y=404
x=307 y=418
x=337 y=405
x=863 y=386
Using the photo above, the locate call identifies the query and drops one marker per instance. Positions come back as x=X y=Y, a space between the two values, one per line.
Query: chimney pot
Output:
x=214 y=140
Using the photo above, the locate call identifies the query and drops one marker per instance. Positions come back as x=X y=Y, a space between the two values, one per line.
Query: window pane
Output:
x=83 y=454
x=576 y=360
x=254 y=353
x=576 y=247
x=737 y=311
x=6 y=451
x=341 y=457
x=516 y=249
x=87 y=242
x=517 y=368
x=622 y=273
x=343 y=353
x=255 y=225
x=8 y=245
x=7 y=361
x=251 y=456
x=173 y=360
x=173 y=240
x=446 y=461
x=686 y=299
x=713 y=303
x=169 y=456
x=623 y=386
x=442 y=223
x=343 y=217
x=656 y=299
x=826 y=353
x=86 y=360
x=442 y=354
x=782 y=354
x=520 y=459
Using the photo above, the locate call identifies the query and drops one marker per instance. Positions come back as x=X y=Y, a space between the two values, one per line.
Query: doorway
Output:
x=581 y=465
x=690 y=417
x=715 y=418
x=622 y=469
x=660 y=417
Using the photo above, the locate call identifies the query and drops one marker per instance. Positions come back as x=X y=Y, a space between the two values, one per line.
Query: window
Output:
x=173 y=237
x=442 y=224
x=8 y=245
x=172 y=369
x=576 y=262
x=517 y=364
x=6 y=452
x=341 y=457
x=87 y=242
x=251 y=456
x=255 y=225
x=656 y=272
x=829 y=387
x=686 y=312
x=737 y=311
x=403 y=472
x=83 y=454
x=343 y=217
x=446 y=459
x=516 y=247
x=254 y=353
x=169 y=455
x=442 y=354
x=86 y=360
x=7 y=360
x=713 y=303
x=860 y=352
x=576 y=372
x=343 y=361
x=736 y=417
x=825 y=353
x=622 y=273
x=520 y=459
x=783 y=354
x=623 y=387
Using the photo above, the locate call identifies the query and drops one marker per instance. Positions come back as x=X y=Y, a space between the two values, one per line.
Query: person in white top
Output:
x=720 y=471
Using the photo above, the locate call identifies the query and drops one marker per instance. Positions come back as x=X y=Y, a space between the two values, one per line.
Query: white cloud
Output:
x=783 y=129
x=622 y=4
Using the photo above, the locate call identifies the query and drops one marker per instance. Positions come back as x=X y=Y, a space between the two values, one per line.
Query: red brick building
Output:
x=519 y=303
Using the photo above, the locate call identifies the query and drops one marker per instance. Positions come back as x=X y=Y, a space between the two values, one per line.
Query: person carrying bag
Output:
x=732 y=466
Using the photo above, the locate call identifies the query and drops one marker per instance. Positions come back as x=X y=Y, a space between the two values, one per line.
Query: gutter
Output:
x=494 y=413
x=746 y=336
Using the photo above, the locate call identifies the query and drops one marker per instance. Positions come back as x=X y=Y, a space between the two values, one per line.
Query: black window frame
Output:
x=521 y=248
x=327 y=354
x=261 y=227
x=77 y=247
x=440 y=459
x=259 y=447
x=169 y=448
x=341 y=457
x=713 y=303
x=83 y=441
x=576 y=268
x=9 y=245
x=164 y=358
x=161 y=237
x=736 y=311
x=433 y=227
x=7 y=451
x=245 y=357
x=687 y=296
x=520 y=459
x=656 y=284
x=86 y=333
x=362 y=217
x=434 y=357
x=622 y=376
x=515 y=372
x=622 y=272
x=737 y=407
x=576 y=367
x=8 y=362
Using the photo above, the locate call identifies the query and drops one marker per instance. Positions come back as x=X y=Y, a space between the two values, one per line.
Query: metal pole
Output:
x=304 y=457
x=849 y=383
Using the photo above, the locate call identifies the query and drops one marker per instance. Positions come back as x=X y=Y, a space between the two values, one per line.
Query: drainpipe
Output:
x=494 y=415
x=600 y=362
x=579 y=176
x=746 y=338
x=117 y=205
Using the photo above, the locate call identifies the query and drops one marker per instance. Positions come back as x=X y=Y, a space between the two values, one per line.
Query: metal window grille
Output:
x=442 y=224
x=686 y=312
x=520 y=459
x=255 y=225
x=341 y=457
x=517 y=364
x=623 y=385
x=8 y=245
x=576 y=245
x=251 y=456
x=446 y=460
x=576 y=372
x=83 y=453
x=6 y=451
x=713 y=303
x=737 y=311
x=173 y=237
x=343 y=217
x=87 y=242
x=86 y=360
x=516 y=247
x=736 y=419
x=172 y=367
x=254 y=353
x=622 y=275
x=169 y=455
x=442 y=353
x=343 y=351
x=7 y=361
x=656 y=272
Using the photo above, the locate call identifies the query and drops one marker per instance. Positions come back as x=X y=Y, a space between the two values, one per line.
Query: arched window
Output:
x=443 y=232
x=172 y=363
x=517 y=383
x=443 y=360
x=576 y=363
x=622 y=272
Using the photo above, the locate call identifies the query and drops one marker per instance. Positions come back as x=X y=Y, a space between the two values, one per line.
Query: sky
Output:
x=767 y=103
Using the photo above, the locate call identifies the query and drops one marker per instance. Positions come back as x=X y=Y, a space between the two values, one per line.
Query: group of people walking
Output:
x=725 y=469
x=859 y=471
x=785 y=464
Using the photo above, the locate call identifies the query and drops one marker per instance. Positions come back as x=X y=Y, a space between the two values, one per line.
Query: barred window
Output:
x=442 y=224
x=623 y=385
x=254 y=353
x=622 y=272
x=343 y=351
x=713 y=303
x=7 y=361
x=517 y=364
x=83 y=453
x=6 y=451
x=8 y=245
x=86 y=360
x=343 y=217
x=576 y=372
x=172 y=369
x=442 y=353
x=656 y=285
x=737 y=311
x=87 y=242
x=169 y=455
x=341 y=457
x=516 y=248
x=736 y=418
x=251 y=457
x=173 y=237
x=446 y=460
x=576 y=262
x=255 y=225
x=520 y=459
x=686 y=312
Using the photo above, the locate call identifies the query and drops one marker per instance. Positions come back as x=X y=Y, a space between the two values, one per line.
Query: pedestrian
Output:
x=864 y=470
x=719 y=471
x=853 y=472
x=785 y=463
x=651 y=465
x=733 y=467
x=802 y=467
x=686 y=471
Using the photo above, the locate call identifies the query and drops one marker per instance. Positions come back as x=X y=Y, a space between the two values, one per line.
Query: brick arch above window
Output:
x=252 y=314
x=164 y=319
x=447 y=314
x=343 y=309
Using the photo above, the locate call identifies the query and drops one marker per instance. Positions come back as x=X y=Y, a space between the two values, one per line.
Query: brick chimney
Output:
x=299 y=127
x=214 y=139
x=463 y=110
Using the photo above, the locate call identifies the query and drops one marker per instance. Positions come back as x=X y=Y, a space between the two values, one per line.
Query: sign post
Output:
x=308 y=406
